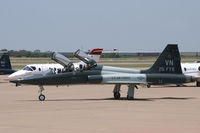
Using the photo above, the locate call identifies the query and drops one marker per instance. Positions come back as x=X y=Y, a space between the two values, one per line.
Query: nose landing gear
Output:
x=41 y=96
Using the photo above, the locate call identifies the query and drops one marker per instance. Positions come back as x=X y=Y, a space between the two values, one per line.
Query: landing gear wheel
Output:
x=41 y=97
x=129 y=98
x=117 y=95
x=148 y=86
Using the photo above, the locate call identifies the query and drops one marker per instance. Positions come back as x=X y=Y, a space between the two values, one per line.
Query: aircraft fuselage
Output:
x=105 y=76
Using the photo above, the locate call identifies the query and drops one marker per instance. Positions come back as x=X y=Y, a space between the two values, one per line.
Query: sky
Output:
x=130 y=25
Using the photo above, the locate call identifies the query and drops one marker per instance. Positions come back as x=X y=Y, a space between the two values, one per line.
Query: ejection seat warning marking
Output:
x=169 y=66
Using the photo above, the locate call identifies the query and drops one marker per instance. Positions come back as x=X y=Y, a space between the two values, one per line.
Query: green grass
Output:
x=17 y=67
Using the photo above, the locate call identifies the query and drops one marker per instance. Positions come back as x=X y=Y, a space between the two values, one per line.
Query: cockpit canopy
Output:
x=29 y=68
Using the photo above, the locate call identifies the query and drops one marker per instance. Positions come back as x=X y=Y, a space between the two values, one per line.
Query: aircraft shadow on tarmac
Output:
x=123 y=98
x=173 y=86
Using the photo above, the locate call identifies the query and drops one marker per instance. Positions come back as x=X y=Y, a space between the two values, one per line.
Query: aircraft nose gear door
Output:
x=41 y=96
x=131 y=90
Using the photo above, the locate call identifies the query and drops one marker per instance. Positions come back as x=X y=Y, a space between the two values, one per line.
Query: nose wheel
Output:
x=41 y=96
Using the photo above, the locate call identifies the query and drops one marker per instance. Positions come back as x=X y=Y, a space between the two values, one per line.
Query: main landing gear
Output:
x=41 y=96
x=148 y=85
x=116 y=91
x=130 y=94
x=131 y=91
x=198 y=84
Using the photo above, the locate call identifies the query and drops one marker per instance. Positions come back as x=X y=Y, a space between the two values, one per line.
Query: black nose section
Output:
x=14 y=81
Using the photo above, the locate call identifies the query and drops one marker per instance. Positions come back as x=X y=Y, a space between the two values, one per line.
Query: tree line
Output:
x=39 y=54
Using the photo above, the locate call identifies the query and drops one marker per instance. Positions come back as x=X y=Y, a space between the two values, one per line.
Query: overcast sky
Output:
x=67 y=25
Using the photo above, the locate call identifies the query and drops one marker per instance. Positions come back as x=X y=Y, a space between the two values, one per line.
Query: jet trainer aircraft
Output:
x=166 y=70
x=5 y=65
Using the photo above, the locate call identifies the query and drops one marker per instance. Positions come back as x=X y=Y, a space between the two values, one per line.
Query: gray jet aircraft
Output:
x=166 y=70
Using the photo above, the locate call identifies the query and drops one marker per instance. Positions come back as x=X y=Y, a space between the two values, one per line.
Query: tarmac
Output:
x=92 y=109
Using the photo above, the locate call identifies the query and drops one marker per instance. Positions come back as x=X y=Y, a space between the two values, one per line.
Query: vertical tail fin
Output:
x=168 y=61
x=95 y=54
x=5 y=61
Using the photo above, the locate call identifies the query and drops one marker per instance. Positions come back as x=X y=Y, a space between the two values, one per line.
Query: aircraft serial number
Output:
x=120 y=78
x=166 y=69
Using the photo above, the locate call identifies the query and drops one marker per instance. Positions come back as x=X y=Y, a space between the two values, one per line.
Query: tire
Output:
x=41 y=97
x=148 y=86
x=117 y=95
x=129 y=98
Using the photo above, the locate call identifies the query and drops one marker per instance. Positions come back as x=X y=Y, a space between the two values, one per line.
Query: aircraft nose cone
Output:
x=11 y=76
x=16 y=75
